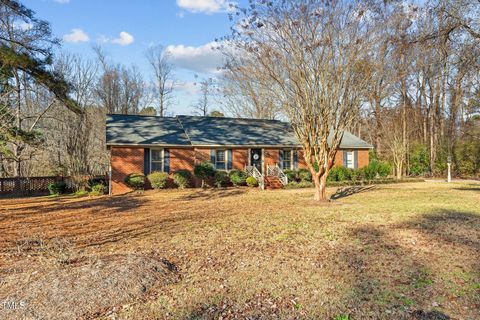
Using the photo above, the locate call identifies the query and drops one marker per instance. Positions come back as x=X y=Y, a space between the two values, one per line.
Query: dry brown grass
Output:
x=388 y=252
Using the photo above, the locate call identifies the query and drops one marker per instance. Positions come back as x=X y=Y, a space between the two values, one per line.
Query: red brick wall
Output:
x=124 y=161
x=181 y=159
x=240 y=158
x=271 y=158
x=202 y=155
x=363 y=158
x=301 y=160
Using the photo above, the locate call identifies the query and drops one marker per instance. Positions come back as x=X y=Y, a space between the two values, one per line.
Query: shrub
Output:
x=356 y=175
x=301 y=184
x=251 y=182
x=339 y=174
x=97 y=180
x=370 y=171
x=204 y=171
x=238 y=177
x=291 y=174
x=97 y=189
x=304 y=175
x=158 y=180
x=221 y=179
x=419 y=161
x=56 y=188
x=384 y=169
x=182 y=178
x=136 y=181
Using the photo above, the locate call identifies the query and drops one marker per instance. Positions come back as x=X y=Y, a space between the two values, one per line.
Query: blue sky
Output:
x=126 y=28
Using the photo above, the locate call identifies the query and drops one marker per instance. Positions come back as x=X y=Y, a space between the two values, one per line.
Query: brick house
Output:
x=142 y=144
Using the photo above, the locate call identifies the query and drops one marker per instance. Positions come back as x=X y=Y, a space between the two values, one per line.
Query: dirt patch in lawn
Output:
x=85 y=289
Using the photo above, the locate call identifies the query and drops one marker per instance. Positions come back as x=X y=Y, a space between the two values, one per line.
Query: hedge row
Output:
x=184 y=179
x=308 y=184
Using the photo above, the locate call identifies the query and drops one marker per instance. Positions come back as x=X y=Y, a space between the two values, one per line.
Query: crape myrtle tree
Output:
x=315 y=54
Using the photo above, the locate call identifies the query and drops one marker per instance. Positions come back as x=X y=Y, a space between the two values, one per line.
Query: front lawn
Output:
x=406 y=251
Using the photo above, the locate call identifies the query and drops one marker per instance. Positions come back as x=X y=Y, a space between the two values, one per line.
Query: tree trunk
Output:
x=320 y=187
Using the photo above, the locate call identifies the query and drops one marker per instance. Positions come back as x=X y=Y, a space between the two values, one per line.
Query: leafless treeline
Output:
x=404 y=77
x=420 y=90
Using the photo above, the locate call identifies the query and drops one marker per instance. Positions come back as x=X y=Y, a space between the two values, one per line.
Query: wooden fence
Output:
x=27 y=186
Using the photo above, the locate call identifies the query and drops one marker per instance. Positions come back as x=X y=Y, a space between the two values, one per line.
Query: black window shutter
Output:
x=355 y=159
x=295 y=159
x=280 y=159
x=212 y=156
x=345 y=158
x=229 y=163
x=146 y=161
x=166 y=160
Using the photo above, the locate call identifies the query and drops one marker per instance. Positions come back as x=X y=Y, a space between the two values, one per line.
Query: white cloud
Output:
x=124 y=39
x=204 y=59
x=77 y=35
x=206 y=6
x=62 y=1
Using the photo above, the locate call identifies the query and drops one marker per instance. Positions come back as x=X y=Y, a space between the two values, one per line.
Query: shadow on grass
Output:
x=385 y=275
x=349 y=191
x=209 y=194
x=51 y=205
x=470 y=187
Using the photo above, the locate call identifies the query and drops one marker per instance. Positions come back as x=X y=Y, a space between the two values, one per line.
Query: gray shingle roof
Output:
x=145 y=130
x=231 y=131
x=206 y=131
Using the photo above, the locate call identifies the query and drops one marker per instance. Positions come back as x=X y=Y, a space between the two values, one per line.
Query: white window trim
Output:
x=225 y=157
x=353 y=159
x=162 y=156
x=291 y=159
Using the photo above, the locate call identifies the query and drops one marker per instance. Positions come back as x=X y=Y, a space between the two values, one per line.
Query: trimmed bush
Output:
x=182 y=178
x=251 y=182
x=356 y=175
x=376 y=169
x=57 y=188
x=221 y=179
x=136 y=181
x=238 y=178
x=204 y=171
x=158 y=180
x=339 y=174
x=384 y=169
x=301 y=184
x=291 y=174
x=97 y=189
x=304 y=175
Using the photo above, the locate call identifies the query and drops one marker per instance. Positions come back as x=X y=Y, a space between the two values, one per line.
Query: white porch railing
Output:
x=253 y=172
x=275 y=171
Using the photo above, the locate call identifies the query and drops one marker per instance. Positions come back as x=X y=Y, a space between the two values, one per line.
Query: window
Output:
x=156 y=160
x=287 y=159
x=350 y=162
x=221 y=160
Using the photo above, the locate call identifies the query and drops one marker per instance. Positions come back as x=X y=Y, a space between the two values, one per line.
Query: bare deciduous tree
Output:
x=314 y=52
x=201 y=107
x=164 y=78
